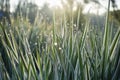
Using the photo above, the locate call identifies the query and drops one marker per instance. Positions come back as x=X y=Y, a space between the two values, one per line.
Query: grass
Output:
x=32 y=53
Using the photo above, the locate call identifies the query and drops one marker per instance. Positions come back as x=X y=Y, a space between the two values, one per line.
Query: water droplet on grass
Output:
x=35 y=44
x=55 y=43
x=60 y=48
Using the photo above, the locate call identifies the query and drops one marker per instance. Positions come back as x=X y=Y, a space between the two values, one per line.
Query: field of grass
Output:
x=30 y=52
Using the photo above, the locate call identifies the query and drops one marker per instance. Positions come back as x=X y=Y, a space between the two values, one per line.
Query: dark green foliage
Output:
x=5 y=12
x=27 y=10
x=4 y=53
x=116 y=15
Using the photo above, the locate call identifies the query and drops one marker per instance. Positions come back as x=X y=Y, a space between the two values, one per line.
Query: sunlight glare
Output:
x=52 y=3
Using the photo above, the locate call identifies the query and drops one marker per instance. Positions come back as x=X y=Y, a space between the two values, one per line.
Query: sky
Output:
x=88 y=8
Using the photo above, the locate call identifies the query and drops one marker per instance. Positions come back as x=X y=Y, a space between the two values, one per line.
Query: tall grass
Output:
x=27 y=53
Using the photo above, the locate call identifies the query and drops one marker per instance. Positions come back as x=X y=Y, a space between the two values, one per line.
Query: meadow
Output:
x=47 y=52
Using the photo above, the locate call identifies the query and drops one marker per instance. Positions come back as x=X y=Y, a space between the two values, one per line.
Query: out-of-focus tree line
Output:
x=5 y=11
x=32 y=13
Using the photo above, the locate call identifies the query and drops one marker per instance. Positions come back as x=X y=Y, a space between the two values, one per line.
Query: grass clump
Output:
x=28 y=53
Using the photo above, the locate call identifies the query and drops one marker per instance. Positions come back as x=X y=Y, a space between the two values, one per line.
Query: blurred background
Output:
x=36 y=11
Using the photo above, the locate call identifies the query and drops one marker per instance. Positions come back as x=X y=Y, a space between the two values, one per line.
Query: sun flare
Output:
x=52 y=3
